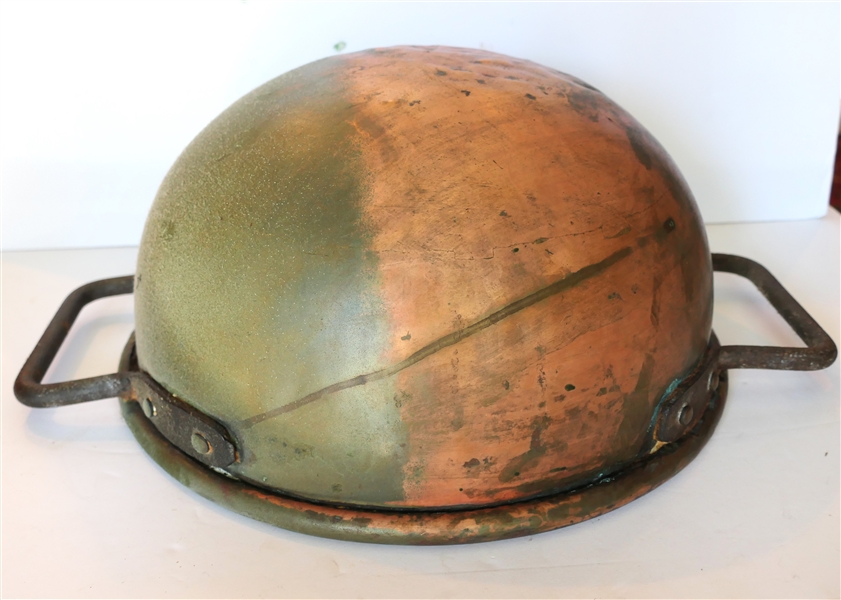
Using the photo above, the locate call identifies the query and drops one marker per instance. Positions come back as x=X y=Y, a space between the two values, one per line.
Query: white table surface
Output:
x=85 y=513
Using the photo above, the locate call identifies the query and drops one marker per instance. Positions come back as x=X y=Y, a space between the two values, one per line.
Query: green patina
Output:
x=266 y=278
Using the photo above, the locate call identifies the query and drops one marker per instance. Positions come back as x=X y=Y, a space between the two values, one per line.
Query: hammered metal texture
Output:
x=424 y=278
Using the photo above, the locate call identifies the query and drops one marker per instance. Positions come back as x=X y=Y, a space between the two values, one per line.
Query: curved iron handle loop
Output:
x=28 y=387
x=820 y=351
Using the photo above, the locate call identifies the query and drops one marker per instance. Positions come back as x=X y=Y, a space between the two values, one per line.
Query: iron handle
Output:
x=183 y=425
x=28 y=387
x=820 y=350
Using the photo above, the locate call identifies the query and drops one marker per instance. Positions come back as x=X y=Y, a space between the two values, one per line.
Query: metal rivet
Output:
x=148 y=408
x=200 y=443
x=685 y=415
x=714 y=381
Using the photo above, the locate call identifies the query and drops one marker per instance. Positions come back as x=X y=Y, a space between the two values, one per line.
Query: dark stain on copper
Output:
x=638 y=145
x=635 y=418
x=529 y=458
x=369 y=126
x=556 y=513
x=566 y=283
x=584 y=103
x=361 y=521
x=624 y=231
x=584 y=84
x=654 y=315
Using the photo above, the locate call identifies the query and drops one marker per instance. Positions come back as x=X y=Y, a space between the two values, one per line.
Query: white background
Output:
x=99 y=98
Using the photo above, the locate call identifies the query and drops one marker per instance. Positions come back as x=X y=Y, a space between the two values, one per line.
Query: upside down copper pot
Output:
x=423 y=295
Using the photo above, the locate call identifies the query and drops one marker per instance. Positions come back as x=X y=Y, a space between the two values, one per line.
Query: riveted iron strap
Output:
x=820 y=351
x=684 y=406
x=28 y=387
x=193 y=432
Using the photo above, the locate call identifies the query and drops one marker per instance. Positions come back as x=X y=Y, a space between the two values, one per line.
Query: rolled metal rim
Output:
x=421 y=527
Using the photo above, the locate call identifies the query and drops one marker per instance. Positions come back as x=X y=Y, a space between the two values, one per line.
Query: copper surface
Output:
x=424 y=278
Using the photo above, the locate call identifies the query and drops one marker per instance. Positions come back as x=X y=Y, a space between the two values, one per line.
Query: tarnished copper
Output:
x=424 y=278
x=423 y=295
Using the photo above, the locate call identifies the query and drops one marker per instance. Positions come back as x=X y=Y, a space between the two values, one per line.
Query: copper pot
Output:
x=423 y=295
